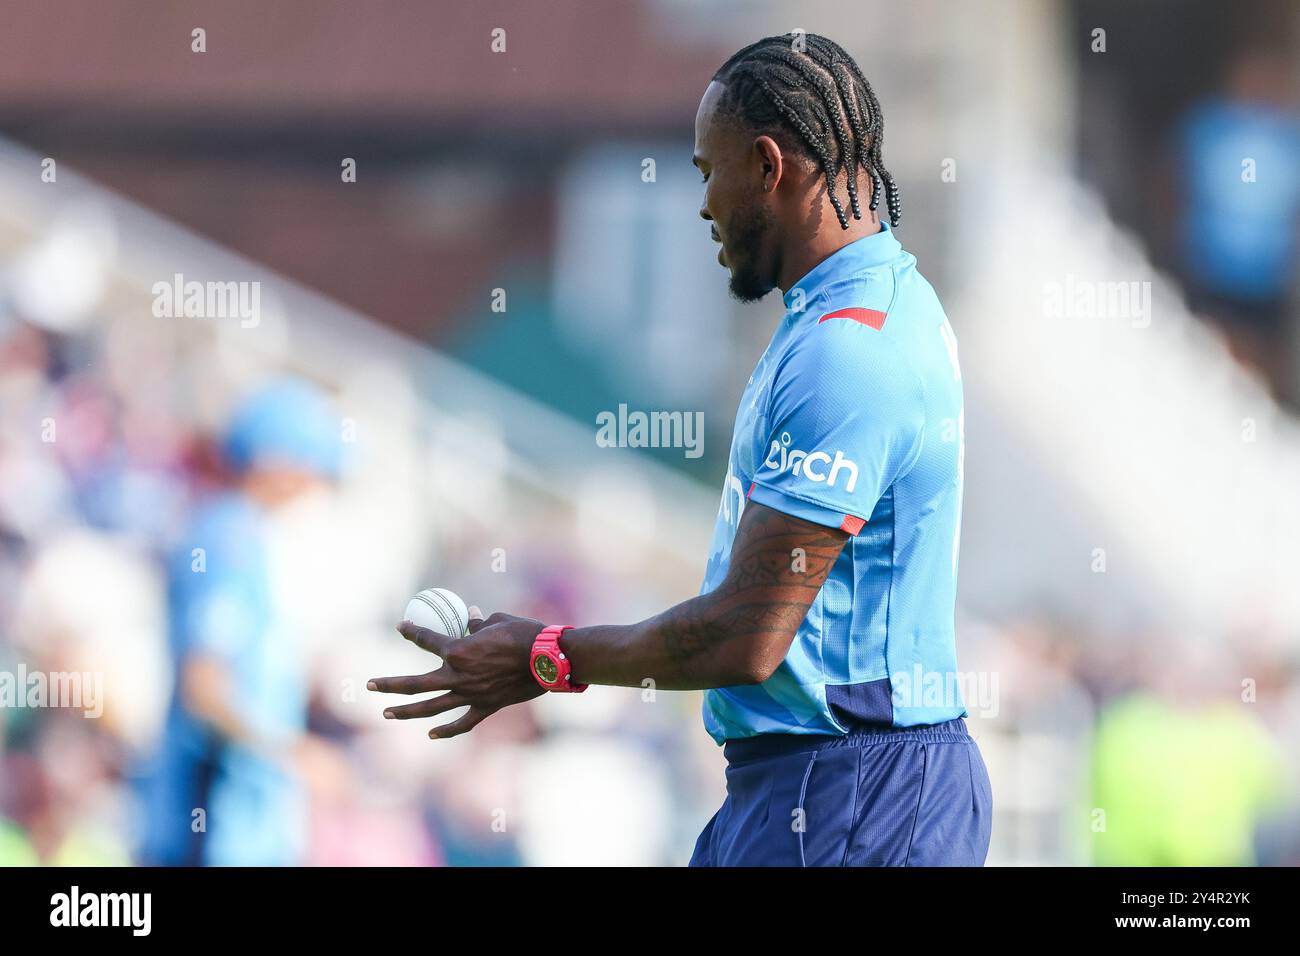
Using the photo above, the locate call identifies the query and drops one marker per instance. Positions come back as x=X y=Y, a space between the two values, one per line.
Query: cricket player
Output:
x=823 y=635
x=228 y=784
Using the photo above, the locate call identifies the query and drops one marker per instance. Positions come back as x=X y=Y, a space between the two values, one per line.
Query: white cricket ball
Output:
x=439 y=610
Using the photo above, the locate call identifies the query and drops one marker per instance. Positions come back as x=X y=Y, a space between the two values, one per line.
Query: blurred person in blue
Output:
x=227 y=787
x=1239 y=158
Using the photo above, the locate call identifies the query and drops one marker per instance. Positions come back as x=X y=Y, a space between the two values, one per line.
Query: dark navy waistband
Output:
x=745 y=749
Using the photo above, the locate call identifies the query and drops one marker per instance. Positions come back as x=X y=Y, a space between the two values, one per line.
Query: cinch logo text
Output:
x=815 y=466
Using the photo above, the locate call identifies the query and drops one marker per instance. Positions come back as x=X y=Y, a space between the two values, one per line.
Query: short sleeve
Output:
x=846 y=416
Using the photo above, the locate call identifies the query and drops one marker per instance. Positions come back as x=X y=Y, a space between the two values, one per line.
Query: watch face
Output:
x=545 y=669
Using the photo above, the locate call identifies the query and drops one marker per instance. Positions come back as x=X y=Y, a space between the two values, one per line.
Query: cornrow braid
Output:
x=821 y=95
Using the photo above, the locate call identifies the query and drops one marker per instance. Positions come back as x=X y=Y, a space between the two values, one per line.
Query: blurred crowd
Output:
x=225 y=583
x=205 y=574
x=1138 y=747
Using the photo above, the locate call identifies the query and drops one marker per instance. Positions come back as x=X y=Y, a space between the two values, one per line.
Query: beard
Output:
x=748 y=230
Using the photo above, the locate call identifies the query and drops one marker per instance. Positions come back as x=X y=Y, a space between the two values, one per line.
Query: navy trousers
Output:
x=900 y=796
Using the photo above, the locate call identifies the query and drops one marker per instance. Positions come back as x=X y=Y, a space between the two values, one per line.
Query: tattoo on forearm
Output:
x=763 y=594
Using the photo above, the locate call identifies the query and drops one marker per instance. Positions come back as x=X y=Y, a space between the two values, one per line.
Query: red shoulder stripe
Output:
x=851 y=524
x=869 y=317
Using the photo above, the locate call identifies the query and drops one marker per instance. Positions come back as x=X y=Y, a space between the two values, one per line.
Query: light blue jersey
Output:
x=853 y=419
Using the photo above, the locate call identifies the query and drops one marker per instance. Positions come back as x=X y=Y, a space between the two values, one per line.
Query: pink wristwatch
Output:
x=549 y=665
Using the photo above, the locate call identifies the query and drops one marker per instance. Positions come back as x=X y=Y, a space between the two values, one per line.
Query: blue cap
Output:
x=285 y=422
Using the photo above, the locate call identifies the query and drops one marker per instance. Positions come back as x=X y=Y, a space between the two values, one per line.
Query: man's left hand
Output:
x=488 y=670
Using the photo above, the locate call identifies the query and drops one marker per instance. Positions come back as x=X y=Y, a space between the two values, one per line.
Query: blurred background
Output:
x=473 y=228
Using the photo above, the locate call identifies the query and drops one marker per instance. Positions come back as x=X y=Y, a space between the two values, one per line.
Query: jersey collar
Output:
x=860 y=254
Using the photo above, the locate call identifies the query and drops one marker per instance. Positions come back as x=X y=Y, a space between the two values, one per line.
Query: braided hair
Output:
x=822 y=96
